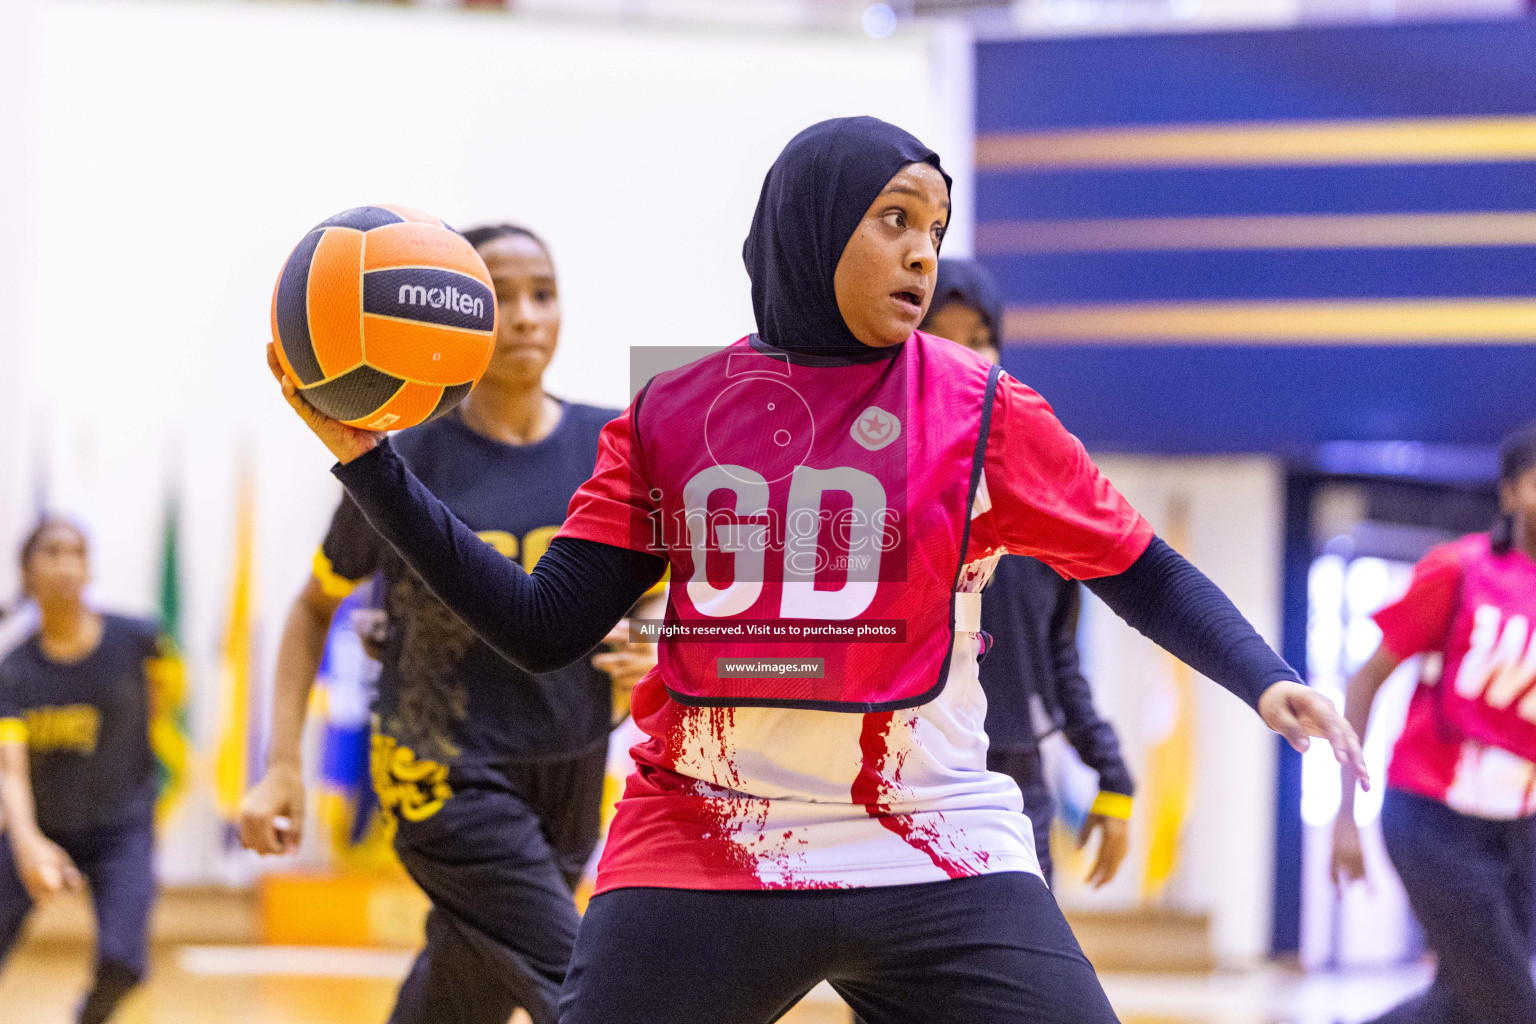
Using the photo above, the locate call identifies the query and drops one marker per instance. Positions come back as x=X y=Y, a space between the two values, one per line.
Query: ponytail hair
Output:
x=1517 y=455
x=1501 y=538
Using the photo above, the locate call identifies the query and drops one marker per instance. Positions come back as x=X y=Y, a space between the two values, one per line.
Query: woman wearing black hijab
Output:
x=827 y=815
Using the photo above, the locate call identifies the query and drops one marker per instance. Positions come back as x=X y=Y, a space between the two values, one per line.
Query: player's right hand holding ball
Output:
x=272 y=813
x=344 y=442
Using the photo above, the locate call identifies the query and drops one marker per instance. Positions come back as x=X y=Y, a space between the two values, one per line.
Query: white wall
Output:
x=952 y=76
x=16 y=24
x=180 y=149
x=1232 y=529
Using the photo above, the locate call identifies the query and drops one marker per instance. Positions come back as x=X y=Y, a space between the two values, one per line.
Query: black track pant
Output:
x=1025 y=769
x=499 y=867
x=972 y=951
x=119 y=865
x=1470 y=883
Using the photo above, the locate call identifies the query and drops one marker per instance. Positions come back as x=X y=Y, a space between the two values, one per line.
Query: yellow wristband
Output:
x=1112 y=805
x=13 y=730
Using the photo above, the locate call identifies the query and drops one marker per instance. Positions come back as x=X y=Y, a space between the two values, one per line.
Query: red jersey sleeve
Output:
x=615 y=505
x=1044 y=496
x=1419 y=620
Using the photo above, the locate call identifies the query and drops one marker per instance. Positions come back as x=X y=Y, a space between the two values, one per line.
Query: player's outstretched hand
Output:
x=1299 y=712
x=346 y=443
x=272 y=813
x=45 y=868
x=1114 y=842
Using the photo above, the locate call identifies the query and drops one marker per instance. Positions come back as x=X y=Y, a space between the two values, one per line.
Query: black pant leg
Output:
x=503 y=921
x=449 y=980
x=990 y=949
x=684 y=956
x=567 y=794
x=1428 y=1007
x=1027 y=771
x=1041 y=810
x=993 y=949
x=1520 y=841
x=15 y=902
x=1460 y=881
x=119 y=864
x=121 y=872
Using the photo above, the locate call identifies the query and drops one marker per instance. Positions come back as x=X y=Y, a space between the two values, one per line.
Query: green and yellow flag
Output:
x=231 y=768
x=169 y=735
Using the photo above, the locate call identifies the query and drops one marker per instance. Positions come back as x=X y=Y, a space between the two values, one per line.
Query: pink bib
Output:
x=815 y=513
x=1490 y=654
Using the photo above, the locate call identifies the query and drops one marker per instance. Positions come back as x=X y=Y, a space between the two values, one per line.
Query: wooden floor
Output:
x=40 y=986
x=267 y=985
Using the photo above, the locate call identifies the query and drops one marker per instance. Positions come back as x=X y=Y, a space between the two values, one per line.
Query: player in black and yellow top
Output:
x=77 y=773
x=493 y=777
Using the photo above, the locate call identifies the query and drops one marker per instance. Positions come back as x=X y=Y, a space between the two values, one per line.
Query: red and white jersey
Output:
x=1467 y=739
x=777 y=797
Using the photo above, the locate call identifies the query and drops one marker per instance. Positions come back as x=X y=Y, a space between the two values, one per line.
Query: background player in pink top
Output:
x=1461 y=788
x=766 y=843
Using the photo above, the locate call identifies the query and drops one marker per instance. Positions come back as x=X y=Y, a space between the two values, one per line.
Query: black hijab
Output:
x=970 y=283
x=815 y=194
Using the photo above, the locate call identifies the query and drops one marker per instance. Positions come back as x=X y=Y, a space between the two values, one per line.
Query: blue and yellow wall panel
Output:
x=1259 y=241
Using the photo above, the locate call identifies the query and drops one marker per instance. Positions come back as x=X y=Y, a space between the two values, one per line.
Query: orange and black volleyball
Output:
x=384 y=317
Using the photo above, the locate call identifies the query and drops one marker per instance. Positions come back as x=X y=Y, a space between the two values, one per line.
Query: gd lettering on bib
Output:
x=815 y=511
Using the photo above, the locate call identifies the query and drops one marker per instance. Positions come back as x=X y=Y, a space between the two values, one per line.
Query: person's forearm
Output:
x=540 y=621
x=1092 y=737
x=1359 y=696
x=17 y=809
x=298 y=663
x=1098 y=747
x=1176 y=606
x=1073 y=693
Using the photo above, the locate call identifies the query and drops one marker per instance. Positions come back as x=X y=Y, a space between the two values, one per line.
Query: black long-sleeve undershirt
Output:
x=539 y=621
x=1175 y=605
x=543 y=620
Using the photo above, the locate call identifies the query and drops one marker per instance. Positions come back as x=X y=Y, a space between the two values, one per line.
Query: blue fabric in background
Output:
x=1214 y=395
